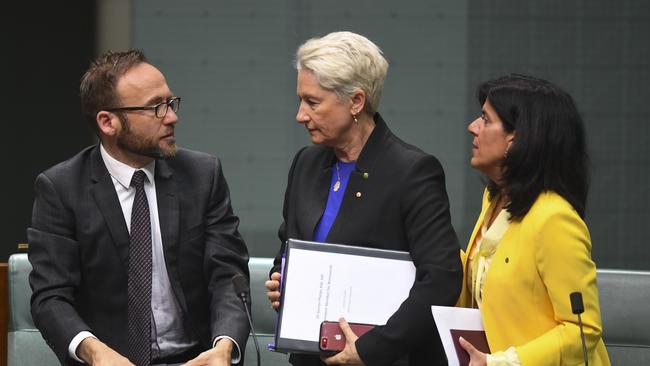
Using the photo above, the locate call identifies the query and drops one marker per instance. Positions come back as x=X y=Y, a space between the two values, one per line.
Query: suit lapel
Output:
x=103 y=191
x=168 y=211
x=370 y=153
x=317 y=198
x=169 y=216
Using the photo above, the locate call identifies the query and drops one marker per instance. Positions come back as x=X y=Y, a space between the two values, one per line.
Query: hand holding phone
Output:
x=332 y=340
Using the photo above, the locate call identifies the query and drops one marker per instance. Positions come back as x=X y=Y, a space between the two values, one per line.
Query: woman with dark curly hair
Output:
x=530 y=247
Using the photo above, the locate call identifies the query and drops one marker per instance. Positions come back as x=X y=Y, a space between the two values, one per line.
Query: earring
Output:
x=505 y=153
x=354 y=115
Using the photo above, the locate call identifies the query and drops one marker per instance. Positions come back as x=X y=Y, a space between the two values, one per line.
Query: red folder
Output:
x=475 y=337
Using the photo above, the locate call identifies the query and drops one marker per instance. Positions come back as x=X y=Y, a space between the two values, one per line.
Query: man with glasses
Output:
x=133 y=241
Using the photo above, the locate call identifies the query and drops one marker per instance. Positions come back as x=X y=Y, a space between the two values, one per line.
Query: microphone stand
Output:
x=241 y=288
x=577 y=307
x=582 y=336
x=250 y=322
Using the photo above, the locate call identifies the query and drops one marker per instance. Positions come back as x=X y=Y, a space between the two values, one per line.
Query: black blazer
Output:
x=395 y=199
x=79 y=249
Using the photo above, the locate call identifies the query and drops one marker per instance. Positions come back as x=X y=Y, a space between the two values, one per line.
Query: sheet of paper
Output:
x=326 y=286
x=447 y=318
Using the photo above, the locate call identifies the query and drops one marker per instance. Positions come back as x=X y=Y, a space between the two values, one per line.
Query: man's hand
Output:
x=219 y=355
x=273 y=285
x=349 y=355
x=96 y=353
x=476 y=357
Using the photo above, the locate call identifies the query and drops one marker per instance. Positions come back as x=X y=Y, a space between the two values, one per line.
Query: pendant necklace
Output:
x=337 y=185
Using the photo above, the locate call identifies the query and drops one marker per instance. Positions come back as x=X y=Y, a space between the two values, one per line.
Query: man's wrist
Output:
x=74 y=344
x=224 y=345
x=88 y=348
x=229 y=347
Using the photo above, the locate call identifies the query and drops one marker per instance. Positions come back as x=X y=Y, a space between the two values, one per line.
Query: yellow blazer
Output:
x=538 y=263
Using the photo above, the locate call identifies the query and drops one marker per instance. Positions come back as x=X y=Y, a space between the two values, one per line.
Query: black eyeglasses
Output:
x=160 y=108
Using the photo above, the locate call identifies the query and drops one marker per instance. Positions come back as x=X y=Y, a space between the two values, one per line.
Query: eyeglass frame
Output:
x=167 y=103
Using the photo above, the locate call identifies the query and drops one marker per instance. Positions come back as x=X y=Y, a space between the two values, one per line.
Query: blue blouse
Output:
x=340 y=178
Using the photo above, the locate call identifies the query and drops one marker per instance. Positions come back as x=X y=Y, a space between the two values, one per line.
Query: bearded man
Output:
x=133 y=241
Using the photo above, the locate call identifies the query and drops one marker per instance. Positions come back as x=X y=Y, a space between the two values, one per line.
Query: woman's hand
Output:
x=273 y=287
x=349 y=355
x=476 y=357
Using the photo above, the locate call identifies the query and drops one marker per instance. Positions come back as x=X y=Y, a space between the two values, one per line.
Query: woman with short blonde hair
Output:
x=359 y=184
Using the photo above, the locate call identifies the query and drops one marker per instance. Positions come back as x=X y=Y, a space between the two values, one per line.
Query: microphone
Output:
x=577 y=307
x=240 y=283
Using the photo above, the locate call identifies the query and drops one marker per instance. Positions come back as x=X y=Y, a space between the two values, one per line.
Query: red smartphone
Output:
x=332 y=339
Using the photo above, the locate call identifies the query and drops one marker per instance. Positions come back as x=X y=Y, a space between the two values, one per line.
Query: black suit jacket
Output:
x=79 y=250
x=395 y=199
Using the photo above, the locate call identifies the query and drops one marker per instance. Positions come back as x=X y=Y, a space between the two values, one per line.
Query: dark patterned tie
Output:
x=139 y=284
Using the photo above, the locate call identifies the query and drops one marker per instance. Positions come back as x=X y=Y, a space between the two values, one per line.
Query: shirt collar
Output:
x=122 y=172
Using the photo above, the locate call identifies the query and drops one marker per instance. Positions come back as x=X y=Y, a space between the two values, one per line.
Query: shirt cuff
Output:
x=75 y=342
x=236 y=352
x=508 y=357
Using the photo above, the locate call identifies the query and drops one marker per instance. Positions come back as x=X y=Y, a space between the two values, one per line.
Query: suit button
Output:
x=365 y=175
x=358 y=194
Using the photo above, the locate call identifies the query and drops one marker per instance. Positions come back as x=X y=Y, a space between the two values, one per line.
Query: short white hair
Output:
x=345 y=62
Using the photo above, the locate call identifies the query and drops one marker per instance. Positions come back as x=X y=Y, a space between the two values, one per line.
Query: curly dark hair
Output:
x=549 y=151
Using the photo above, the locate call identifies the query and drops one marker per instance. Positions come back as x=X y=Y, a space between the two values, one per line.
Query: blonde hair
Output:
x=345 y=62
